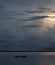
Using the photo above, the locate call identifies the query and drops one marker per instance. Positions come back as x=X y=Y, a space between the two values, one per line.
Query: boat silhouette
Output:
x=22 y=56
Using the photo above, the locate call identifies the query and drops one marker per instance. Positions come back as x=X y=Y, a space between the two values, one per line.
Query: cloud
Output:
x=44 y=9
x=39 y=10
x=16 y=13
x=38 y=17
x=30 y=12
x=33 y=18
x=30 y=26
x=53 y=11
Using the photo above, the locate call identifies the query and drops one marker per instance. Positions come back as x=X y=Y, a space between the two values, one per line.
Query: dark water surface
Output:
x=27 y=58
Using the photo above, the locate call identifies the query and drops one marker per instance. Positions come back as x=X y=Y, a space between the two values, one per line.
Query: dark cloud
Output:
x=33 y=18
x=21 y=14
x=44 y=9
x=30 y=26
x=30 y=12
x=53 y=11
x=38 y=17
x=39 y=10
x=16 y=13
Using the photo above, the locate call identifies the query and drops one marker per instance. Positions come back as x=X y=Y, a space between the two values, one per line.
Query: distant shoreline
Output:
x=24 y=51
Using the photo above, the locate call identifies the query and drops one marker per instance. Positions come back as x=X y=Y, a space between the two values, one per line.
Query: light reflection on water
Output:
x=33 y=58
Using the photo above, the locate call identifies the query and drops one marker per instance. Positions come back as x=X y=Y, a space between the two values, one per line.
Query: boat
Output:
x=22 y=56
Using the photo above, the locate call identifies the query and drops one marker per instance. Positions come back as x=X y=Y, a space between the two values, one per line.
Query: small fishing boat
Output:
x=22 y=56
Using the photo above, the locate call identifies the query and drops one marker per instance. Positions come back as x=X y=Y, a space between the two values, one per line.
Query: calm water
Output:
x=33 y=58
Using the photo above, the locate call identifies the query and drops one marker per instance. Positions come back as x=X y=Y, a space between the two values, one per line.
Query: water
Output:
x=33 y=58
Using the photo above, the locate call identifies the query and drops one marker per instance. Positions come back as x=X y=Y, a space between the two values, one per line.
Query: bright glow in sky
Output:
x=49 y=22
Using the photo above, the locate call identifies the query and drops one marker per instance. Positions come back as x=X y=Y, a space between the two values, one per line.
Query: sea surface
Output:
x=27 y=58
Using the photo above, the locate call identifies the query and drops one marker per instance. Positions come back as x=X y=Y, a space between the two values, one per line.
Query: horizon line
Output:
x=24 y=51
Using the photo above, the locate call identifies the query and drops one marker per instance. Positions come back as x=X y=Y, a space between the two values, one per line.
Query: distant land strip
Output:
x=24 y=51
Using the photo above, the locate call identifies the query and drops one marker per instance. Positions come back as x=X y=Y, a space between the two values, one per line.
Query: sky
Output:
x=27 y=25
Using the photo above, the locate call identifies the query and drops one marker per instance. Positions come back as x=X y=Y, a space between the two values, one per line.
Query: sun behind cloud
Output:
x=49 y=22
